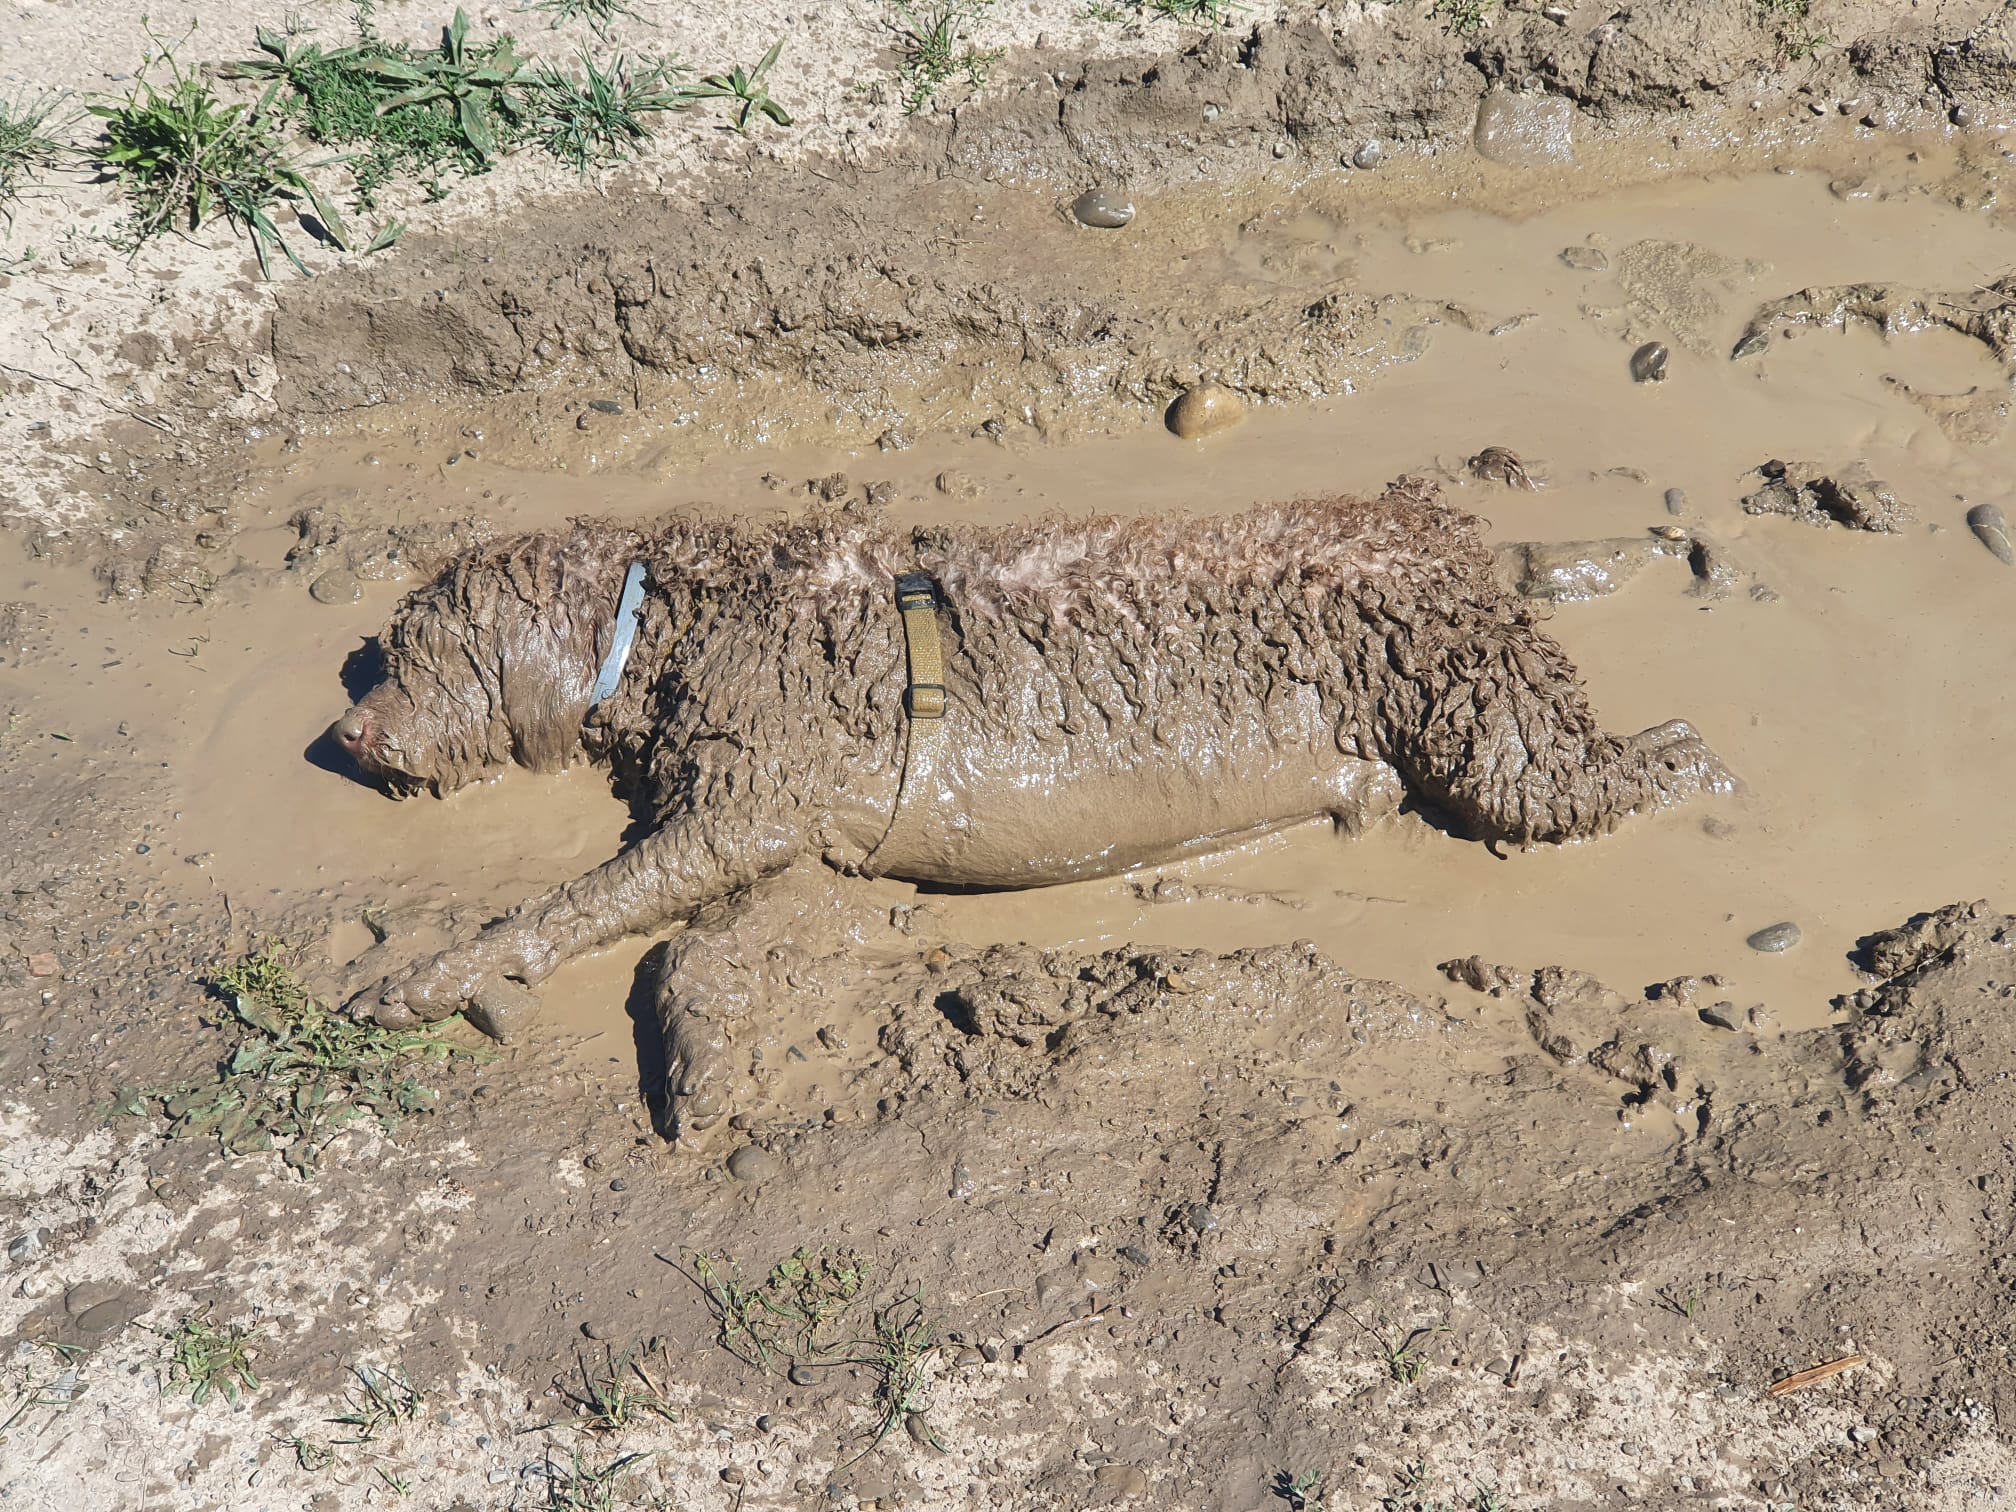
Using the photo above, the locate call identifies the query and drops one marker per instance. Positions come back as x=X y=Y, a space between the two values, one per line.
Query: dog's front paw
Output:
x=476 y=977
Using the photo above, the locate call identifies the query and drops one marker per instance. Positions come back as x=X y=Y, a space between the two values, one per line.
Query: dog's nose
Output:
x=351 y=731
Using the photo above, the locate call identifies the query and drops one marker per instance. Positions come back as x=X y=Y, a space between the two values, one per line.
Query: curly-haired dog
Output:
x=1114 y=693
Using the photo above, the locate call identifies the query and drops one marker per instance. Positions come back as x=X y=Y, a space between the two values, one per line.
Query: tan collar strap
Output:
x=917 y=598
x=925 y=705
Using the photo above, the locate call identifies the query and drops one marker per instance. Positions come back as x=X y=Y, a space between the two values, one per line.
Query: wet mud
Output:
x=1530 y=1169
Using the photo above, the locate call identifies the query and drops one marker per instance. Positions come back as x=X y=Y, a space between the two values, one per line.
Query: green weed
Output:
x=378 y=1400
x=301 y=1074
x=1191 y=12
x=1789 y=10
x=1303 y=1491
x=746 y=89
x=1405 y=1356
x=472 y=85
x=609 y=1402
x=1687 y=1304
x=203 y=1357
x=934 y=47
x=792 y=1323
x=1414 y=1491
x=183 y=155
x=580 y=1487
x=1463 y=17
x=32 y=128
x=598 y=117
x=599 y=14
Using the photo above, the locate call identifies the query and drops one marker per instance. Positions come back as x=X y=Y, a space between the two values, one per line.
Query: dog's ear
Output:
x=548 y=675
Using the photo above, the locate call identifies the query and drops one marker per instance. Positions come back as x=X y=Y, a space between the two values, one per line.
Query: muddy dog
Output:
x=1055 y=700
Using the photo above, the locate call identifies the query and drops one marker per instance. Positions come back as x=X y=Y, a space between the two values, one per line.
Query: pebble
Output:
x=337 y=587
x=1200 y=1219
x=619 y=1185
x=1648 y=363
x=27 y=1246
x=43 y=963
x=752 y=1163
x=1121 y=1480
x=1861 y=1433
x=1525 y=129
x=1103 y=210
x=1676 y=501
x=1585 y=259
x=501 y=1008
x=1992 y=531
x=1204 y=411
x=1719 y=1016
x=732 y=1475
x=1775 y=938
x=1371 y=155
x=1134 y=1254
x=920 y=1432
x=106 y=1316
x=605 y=406
x=800 y=1375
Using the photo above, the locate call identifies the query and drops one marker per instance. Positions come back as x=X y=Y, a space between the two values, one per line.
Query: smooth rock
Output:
x=502 y=1008
x=1134 y=1254
x=336 y=587
x=605 y=406
x=1525 y=129
x=106 y=1316
x=27 y=1246
x=1200 y=1219
x=1775 y=938
x=1371 y=155
x=800 y=1375
x=753 y=1163
x=1119 y=1481
x=1676 y=501
x=1102 y=209
x=1992 y=531
x=1204 y=411
x=1648 y=363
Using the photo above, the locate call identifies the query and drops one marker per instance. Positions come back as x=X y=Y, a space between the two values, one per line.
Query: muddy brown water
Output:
x=1866 y=707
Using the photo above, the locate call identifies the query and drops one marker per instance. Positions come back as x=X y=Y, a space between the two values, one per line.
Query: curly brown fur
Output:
x=1121 y=691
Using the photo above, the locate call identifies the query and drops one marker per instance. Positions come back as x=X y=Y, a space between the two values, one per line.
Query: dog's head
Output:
x=492 y=662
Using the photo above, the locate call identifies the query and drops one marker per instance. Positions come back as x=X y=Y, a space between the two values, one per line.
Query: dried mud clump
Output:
x=1004 y=1020
x=1850 y=496
x=1941 y=1018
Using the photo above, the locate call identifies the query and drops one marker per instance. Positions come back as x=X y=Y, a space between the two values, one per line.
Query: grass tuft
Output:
x=597 y=116
x=579 y=1486
x=608 y=1401
x=203 y=1358
x=933 y=44
x=599 y=14
x=32 y=128
x=302 y=1073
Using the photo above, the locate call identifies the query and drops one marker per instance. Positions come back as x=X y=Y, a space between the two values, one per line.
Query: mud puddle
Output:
x=1856 y=682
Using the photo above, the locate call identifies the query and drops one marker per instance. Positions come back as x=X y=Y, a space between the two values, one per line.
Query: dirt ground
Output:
x=1378 y=1173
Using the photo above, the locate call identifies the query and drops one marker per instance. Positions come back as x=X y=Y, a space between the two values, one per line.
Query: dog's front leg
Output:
x=659 y=881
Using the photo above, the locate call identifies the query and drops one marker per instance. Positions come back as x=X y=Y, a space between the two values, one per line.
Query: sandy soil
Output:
x=1208 y=1180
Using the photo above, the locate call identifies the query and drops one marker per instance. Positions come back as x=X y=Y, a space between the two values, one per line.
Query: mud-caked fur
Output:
x=760 y=717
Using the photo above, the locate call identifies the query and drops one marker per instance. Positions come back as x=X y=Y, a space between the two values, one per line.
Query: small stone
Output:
x=752 y=1163
x=920 y=1432
x=1992 y=531
x=1281 y=149
x=1200 y=1219
x=502 y=1008
x=590 y=1331
x=800 y=1375
x=1962 y=116
x=732 y=1475
x=1102 y=209
x=1719 y=1016
x=1861 y=1433
x=990 y=1352
x=1585 y=259
x=1204 y=411
x=27 y=1246
x=1371 y=155
x=1676 y=501
x=336 y=587
x=1119 y=1481
x=42 y=964
x=1775 y=938
x=1133 y=1254
x=106 y=1316
x=1648 y=363
x=956 y=485
x=605 y=406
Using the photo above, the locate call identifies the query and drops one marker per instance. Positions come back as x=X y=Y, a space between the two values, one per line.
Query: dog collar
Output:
x=626 y=635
